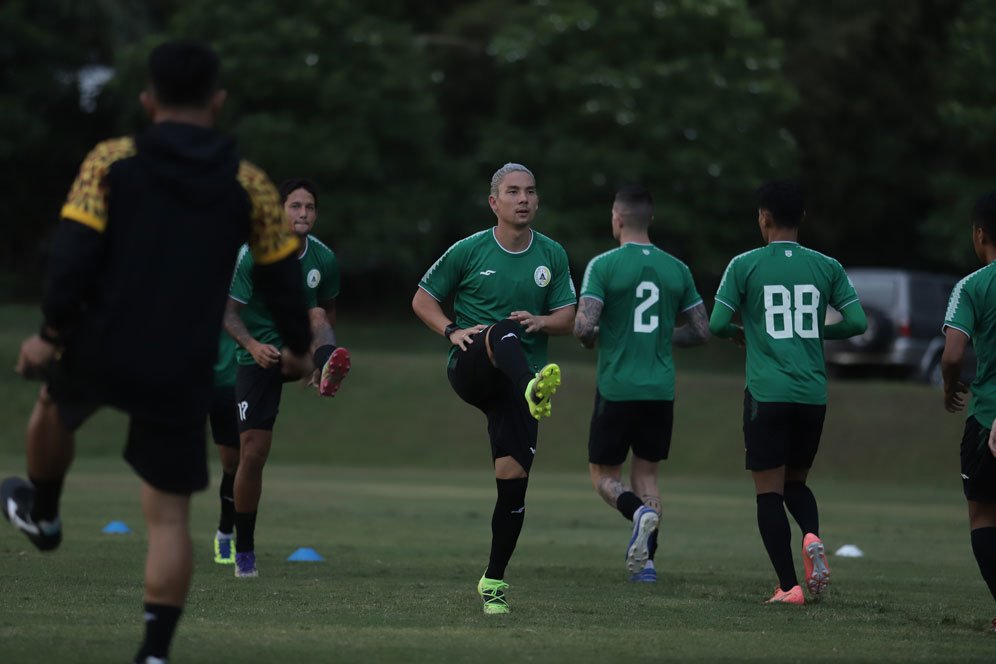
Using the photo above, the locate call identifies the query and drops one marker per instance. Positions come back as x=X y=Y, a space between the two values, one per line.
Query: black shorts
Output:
x=512 y=430
x=257 y=396
x=781 y=434
x=224 y=417
x=168 y=452
x=978 y=465
x=617 y=426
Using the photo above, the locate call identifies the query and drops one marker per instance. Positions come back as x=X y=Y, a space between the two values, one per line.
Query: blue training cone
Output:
x=116 y=528
x=306 y=555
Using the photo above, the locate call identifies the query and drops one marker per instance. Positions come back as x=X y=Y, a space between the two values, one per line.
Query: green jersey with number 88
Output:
x=642 y=288
x=782 y=291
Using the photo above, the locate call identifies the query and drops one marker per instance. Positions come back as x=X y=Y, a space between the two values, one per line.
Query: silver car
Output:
x=905 y=310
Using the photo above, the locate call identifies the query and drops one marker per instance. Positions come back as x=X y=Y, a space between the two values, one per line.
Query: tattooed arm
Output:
x=695 y=330
x=586 y=321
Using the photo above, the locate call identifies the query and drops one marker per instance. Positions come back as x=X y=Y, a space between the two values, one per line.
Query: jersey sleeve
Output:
x=562 y=293
x=593 y=283
x=87 y=200
x=241 y=289
x=328 y=289
x=961 y=311
x=270 y=239
x=730 y=292
x=445 y=274
x=843 y=292
x=690 y=297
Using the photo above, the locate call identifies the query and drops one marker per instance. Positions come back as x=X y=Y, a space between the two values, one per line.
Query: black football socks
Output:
x=226 y=492
x=777 y=537
x=984 y=547
x=160 y=623
x=245 y=532
x=627 y=503
x=801 y=504
x=506 y=524
x=47 y=494
x=652 y=544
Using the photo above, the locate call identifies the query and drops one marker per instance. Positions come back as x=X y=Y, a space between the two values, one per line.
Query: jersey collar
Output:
x=307 y=243
x=494 y=236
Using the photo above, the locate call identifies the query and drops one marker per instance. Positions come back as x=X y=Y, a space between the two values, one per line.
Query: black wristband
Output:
x=450 y=329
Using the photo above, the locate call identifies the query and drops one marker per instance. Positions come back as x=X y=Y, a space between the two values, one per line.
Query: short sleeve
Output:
x=843 y=292
x=328 y=289
x=87 y=200
x=562 y=293
x=593 y=283
x=690 y=297
x=270 y=239
x=961 y=311
x=444 y=276
x=241 y=289
x=730 y=291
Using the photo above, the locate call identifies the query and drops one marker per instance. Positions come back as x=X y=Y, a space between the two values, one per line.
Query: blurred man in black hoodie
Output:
x=135 y=289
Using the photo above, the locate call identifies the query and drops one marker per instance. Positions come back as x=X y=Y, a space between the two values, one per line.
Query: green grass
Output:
x=405 y=549
x=391 y=481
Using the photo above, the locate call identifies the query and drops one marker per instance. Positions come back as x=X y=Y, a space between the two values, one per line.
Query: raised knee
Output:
x=501 y=330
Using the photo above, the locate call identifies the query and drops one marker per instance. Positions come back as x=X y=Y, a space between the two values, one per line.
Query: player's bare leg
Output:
x=255 y=449
x=607 y=481
x=169 y=566
x=33 y=506
x=643 y=479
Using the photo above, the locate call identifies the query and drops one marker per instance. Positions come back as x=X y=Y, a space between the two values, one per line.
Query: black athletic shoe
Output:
x=17 y=497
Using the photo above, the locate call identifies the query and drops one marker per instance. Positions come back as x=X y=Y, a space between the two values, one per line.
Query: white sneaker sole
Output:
x=820 y=578
x=638 y=553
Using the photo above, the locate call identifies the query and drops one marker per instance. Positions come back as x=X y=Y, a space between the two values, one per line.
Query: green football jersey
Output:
x=224 y=366
x=643 y=288
x=972 y=309
x=782 y=291
x=320 y=273
x=489 y=283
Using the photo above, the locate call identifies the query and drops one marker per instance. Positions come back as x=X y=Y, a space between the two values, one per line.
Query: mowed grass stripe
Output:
x=406 y=546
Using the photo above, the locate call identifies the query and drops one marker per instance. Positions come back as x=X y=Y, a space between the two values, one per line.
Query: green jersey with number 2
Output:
x=782 y=291
x=643 y=288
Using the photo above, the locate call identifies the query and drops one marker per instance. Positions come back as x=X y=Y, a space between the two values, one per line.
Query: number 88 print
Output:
x=782 y=320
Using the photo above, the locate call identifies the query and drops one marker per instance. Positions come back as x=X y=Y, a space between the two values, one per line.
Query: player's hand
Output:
x=293 y=365
x=527 y=320
x=463 y=338
x=955 y=398
x=739 y=339
x=36 y=356
x=992 y=439
x=266 y=355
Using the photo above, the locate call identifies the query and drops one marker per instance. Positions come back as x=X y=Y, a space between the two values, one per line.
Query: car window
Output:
x=877 y=291
x=928 y=301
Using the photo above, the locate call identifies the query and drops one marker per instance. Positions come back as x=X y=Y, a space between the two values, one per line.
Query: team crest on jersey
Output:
x=788 y=253
x=542 y=276
x=313 y=278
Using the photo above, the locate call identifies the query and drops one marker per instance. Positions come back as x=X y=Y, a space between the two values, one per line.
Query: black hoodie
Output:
x=141 y=264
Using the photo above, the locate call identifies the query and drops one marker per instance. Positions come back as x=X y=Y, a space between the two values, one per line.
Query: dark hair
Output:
x=637 y=204
x=784 y=200
x=288 y=187
x=183 y=74
x=984 y=215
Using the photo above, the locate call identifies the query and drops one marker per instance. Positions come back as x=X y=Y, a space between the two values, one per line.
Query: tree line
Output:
x=401 y=110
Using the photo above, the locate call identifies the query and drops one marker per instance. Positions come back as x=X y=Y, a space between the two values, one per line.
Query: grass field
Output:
x=391 y=482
